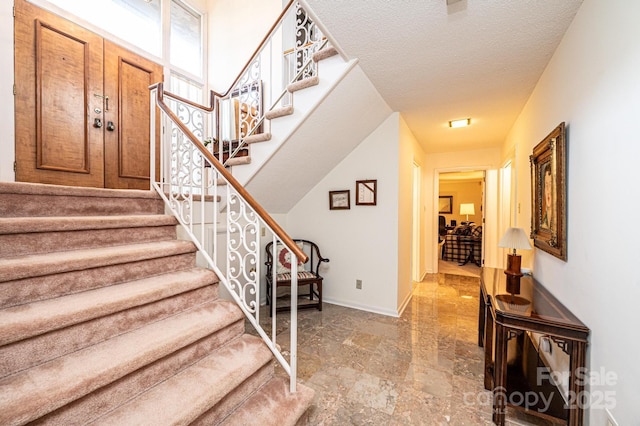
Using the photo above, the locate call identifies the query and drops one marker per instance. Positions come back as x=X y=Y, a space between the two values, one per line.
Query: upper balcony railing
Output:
x=227 y=225
x=237 y=116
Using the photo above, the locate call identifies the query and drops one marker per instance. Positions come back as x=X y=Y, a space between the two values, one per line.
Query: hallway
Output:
x=452 y=268
x=423 y=368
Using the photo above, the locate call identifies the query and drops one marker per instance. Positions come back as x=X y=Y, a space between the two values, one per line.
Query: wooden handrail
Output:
x=260 y=211
x=307 y=44
x=210 y=108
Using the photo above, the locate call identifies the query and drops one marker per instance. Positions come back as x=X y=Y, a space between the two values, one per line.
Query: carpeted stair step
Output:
x=279 y=112
x=84 y=327
x=28 y=278
x=30 y=199
x=325 y=53
x=204 y=385
x=107 y=398
x=25 y=321
x=235 y=161
x=273 y=404
x=33 y=393
x=233 y=399
x=34 y=235
x=303 y=84
x=104 y=316
x=59 y=318
x=258 y=137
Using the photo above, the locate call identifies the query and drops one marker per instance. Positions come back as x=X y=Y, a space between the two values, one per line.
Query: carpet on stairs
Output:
x=106 y=318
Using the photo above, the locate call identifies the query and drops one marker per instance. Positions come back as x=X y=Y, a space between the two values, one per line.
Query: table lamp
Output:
x=468 y=209
x=514 y=238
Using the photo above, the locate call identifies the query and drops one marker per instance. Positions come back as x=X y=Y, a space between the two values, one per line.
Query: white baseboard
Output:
x=405 y=303
x=387 y=312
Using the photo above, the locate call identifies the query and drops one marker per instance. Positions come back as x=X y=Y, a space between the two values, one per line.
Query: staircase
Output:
x=244 y=157
x=105 y=319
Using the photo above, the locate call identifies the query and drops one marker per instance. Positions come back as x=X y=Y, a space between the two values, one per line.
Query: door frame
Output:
x=416 y=253
x=492 y=189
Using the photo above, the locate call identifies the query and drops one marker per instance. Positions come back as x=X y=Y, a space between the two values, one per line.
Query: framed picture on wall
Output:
x=445 y=204
x=549 y=194
x=340 y=200
x=366 y=192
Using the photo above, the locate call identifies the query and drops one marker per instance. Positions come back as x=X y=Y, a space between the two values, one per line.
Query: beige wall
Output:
x=463 y=192
x=235 y=30
x=361 y=242
x=7 y=129
x=592 y=83
x=409 y=152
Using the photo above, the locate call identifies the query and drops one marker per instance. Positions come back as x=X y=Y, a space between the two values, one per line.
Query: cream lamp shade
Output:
x=468 y=209
x=515 y=238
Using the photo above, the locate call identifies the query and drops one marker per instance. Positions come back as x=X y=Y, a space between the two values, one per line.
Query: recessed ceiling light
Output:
x=460 y=123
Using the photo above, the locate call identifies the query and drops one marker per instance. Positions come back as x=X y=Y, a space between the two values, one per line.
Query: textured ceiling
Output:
x=434 y=63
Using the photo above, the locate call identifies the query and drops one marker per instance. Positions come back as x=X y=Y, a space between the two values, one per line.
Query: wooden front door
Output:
x=81 y=105
x=127 y=119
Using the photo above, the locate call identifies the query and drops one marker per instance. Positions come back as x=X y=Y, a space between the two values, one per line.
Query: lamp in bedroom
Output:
x=468 y=209
x=514 y=238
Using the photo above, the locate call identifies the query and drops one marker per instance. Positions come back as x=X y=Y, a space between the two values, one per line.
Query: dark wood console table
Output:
x=499 y=323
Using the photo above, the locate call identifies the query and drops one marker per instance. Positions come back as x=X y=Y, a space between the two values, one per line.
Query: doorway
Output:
x=461 y=196
x=82 y=107
x=415 y=257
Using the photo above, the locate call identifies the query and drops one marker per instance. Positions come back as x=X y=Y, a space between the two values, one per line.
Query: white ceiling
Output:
x=434 y=63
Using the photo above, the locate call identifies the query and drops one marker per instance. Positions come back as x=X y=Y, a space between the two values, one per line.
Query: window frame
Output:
x=165 y=49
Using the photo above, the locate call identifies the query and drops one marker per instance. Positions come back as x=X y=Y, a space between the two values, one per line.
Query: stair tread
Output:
x=204 y=383
x=15 y=225
x=235 y=161
x=33 y=393
x=325 y=53
x=52 y=263
x=73 y=191
x=258 y=137
x=279 y=112
x=273 y=404
x=303 y=84
x=24 y=321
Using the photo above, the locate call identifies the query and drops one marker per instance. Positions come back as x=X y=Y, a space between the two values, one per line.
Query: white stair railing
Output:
x=197 y=187
x=187 y=169
x=282 y=58
x=285 y=56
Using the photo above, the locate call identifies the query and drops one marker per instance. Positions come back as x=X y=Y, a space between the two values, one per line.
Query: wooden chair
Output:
x=307 y=273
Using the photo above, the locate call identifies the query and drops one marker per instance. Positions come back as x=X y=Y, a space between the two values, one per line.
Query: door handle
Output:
x=110 y=126
x=97 y=123
x=106 y=100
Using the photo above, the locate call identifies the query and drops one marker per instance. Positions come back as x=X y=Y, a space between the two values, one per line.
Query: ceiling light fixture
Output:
x=460 y=123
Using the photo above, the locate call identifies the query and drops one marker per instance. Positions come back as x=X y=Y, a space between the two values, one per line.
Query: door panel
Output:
x=59 y=68
x=127 y=80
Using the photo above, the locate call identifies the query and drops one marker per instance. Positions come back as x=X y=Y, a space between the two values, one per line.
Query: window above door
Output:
x=177 y=42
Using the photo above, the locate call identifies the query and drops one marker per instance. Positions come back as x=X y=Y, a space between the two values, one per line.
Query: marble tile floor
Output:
x=424 y=368
x=449 y=267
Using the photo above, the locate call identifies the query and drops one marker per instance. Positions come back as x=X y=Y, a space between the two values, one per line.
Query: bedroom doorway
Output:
x=461 y=203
